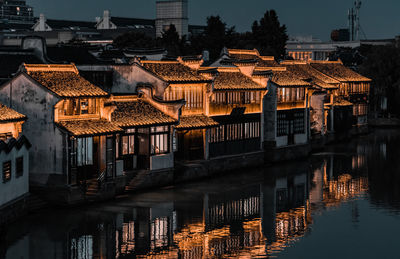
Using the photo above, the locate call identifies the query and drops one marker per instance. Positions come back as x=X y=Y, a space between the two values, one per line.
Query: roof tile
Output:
x=196 y=122
x=8 y=114
x=173 y=71
x=89 y=127
x=338 y=71
x=63 y=80
x=139 y=113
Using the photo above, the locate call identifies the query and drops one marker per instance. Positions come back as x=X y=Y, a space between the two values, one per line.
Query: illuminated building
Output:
x=186 y=84
x=329 y=111
x=353 y=88
x=14 y=162
x=85 y=136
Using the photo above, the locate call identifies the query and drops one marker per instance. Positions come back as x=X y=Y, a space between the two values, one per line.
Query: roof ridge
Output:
x=50 y=68
x=160 y=62
x=267 y=57
x=244 y=51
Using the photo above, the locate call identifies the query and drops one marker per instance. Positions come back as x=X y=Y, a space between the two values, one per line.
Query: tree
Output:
x=135 y=40
x=269 y=36
x=171 y=41
x=214 y=36
x=382 y=65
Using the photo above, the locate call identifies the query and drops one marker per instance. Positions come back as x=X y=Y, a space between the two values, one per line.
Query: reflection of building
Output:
x=333 y=185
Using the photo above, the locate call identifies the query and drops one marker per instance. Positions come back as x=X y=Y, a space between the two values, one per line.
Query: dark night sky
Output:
x=379 y=18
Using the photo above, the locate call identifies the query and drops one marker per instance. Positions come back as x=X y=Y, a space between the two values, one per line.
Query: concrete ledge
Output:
x=279 y=154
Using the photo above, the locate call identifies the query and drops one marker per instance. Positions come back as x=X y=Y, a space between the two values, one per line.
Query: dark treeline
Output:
x=267 y=35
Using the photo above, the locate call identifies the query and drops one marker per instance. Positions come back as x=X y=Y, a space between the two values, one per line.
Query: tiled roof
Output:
x=342 y=103
x=283 y=77
x=267 y=61
x=233 y=79
x=243 y=54
x=173 y=71
x=63 y=80
x=8 y=114
x=139 y=113
x=338 y=71
x=89 y=127
x=196 y=122
x=306 y=71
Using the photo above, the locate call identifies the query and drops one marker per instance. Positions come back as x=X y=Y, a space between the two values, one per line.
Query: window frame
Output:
x=7 y=177
x=19 y=166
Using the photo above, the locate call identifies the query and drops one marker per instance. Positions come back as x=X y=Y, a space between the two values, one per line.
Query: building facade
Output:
x=14 y=162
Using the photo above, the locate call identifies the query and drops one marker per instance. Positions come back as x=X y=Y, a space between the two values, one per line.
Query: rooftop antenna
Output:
x=354 y=20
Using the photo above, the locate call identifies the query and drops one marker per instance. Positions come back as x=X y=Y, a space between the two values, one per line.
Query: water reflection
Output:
x=258 y=214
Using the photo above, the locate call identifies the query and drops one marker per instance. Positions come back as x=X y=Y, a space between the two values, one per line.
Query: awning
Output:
x=80 y=128
x=196 y=122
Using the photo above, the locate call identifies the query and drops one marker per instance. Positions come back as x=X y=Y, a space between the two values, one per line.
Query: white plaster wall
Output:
x=281 y=141
x=162 y=161
x=17 y=186
x=126 y=78
x=300 y=139
x=37 y=103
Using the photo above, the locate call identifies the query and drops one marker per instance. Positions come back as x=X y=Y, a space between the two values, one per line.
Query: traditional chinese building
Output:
x=286 y=111
x=71 y=131
x=14 y=162
x=326 y=107
x=235 y=101
x=147 y=119
x=353 y=88
x=187 y=84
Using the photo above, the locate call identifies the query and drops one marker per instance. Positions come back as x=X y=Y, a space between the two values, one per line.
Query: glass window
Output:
x=84 y=151
x=159 y=140
x=6 y=171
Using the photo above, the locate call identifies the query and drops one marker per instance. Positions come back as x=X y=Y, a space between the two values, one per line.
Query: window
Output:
x=6 y=171
x=193 y=95
x=80 y=106
x=360 y=109
x=19 y=166
x=84 y=151
x=217 y=134
x=291 y=94
x=236 y=97
x=128 y=142
x=159 y=137
x=5 y=136
x=283 y=124
x=299 y=122
x=236 y=131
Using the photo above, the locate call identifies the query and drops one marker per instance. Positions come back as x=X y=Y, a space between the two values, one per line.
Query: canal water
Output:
x=341 y=203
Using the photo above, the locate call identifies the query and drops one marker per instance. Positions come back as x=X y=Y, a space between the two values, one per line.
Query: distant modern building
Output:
x=172 y=12
x=309 y=48
x=15 y=11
